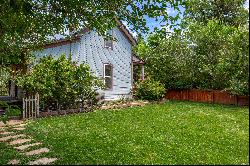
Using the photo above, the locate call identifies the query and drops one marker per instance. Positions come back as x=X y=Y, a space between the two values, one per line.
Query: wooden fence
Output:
x=208 y=96
x=31 y=106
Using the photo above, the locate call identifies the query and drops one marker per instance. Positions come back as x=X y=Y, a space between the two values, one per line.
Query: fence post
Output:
x=237 y=100
x=37 y=104
x=23 y=108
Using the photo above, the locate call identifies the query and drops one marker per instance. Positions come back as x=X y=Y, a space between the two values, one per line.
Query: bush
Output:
x=149 y=90
x=60 y=81
x=9 y=112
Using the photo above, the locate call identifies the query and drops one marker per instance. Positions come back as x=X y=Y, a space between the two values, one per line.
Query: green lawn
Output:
x=169 y=133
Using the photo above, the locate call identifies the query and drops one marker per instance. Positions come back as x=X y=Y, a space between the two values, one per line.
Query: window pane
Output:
x=108 y=82
x=109 y=44
x=108 y=70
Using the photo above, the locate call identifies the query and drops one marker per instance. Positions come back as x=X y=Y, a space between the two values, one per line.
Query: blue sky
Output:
x=151 y=23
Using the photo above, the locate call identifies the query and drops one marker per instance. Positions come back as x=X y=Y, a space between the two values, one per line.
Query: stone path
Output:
x=19 y=141
x=4 y=139
x=23 y=147
x=12 y=135
x=42 y=161
x=38 y=151
x=13 y=162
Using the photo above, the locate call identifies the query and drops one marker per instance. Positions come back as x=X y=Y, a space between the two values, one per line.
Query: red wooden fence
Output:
x=208 y=96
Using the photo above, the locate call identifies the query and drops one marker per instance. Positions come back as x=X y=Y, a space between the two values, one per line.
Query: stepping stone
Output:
x=23 y=147
x=38 y=151
x=19 y=141
x=42 y=161
x=14 y=122
x=19 y=128
x=135 y=103
x=21 y=125
x=4 y=139
x=2 y=128
x=13 y=162
x=6 y=133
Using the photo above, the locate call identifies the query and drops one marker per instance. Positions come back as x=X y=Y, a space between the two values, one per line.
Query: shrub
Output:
x=9 y=112
x=149 y=89
x=60 y=81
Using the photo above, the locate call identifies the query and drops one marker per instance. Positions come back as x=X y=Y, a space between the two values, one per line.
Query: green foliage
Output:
x=60 y=80
x=222 y=55
x=13 y=111
x=10 y=111
x=228 y=12
x=4 y=78
x=149 y=89
x=206 y=56
x=26 y=24
x=167 y=60
x=3 y=104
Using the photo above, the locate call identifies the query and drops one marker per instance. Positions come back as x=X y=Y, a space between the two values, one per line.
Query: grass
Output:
x=169 y=133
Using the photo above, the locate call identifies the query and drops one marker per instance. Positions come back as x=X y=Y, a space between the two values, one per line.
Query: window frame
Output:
x=106 y=41
x=111 y=76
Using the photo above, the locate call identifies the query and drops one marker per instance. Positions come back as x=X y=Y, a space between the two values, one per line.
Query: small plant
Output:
x=3 y=104
x=149 y=89
x=10 y=112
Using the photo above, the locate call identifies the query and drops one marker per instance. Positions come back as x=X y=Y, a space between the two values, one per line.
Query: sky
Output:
x=151 y=23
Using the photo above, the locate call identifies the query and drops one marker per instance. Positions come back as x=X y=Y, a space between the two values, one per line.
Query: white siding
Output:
x=90 y=49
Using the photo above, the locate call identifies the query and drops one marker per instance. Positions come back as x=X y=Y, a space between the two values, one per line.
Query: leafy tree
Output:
x=26 y=24
x=206 y=56
x=60 y=80
x=5 y=76
x=229 y=12
x=222 y=52
x=167 y=60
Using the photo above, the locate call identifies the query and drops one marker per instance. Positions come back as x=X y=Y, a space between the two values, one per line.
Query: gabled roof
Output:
x=77 y=37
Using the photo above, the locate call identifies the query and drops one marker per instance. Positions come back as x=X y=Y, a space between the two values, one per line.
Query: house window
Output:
x=108 y=43
x=108 y=76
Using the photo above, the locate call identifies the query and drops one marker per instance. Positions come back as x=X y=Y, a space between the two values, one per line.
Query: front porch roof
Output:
x=137 y=61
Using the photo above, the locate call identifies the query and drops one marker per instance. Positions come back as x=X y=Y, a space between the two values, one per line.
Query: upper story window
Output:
x=108 y=76
x=108 y=43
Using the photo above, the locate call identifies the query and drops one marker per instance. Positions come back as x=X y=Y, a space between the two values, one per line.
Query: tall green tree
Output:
x=26 y=24
x=229 y=12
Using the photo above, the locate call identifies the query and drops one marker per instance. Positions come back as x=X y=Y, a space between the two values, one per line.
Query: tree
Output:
x=26 y=24
x=205 y=56
x=229 y=12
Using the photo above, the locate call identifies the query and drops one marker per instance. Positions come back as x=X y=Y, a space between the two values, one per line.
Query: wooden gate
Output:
x=31 y=106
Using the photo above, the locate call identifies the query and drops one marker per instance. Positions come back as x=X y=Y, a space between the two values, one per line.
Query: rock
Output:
x=13 y=162
x=6 y=133
x=4 y=139
x=23 y=147
x=42 y=161
x=19 y=141
x=38 y=151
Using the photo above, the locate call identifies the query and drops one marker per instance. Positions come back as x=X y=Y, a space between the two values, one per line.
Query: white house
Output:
x=111 y=60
